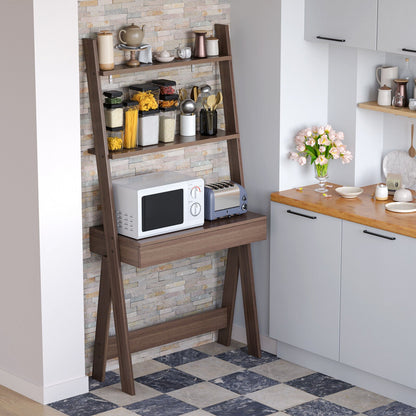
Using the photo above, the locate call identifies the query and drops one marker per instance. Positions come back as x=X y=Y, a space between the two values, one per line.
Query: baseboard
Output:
x=267 y=344
x=44 y=394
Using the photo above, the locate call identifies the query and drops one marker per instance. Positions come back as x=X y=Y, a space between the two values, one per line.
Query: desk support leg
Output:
x=229 y=294
x=103 y=323
x=249 y=300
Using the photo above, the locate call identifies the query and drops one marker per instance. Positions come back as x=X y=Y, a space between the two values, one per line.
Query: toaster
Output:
x=224 y=199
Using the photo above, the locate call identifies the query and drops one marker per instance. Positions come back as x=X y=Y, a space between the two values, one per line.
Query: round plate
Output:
x=403 y=207
x=349 y=191
x=167 y=59
x=400 y=162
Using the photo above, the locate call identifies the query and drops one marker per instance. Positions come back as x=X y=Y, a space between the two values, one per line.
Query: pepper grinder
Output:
x=199 y=48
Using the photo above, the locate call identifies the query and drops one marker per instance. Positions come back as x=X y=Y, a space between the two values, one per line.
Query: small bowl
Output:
x=164 y=59
x=349 y=191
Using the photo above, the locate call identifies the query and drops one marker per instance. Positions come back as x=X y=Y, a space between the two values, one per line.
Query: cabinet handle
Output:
x=332 y=39
x=300 y=215
x=379 y=235
x=409 y=50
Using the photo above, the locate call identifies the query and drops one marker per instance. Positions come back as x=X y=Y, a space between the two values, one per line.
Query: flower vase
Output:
x=321 y=174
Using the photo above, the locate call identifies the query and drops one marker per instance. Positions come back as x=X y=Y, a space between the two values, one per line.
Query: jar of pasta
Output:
x=131 y=119
x=168 y=101
x=115 y=140
x=167 y=125
x=147 y=95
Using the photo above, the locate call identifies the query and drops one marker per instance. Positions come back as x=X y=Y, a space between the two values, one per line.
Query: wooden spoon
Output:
x=218 y=99
x=412 y=150
x=211 y=100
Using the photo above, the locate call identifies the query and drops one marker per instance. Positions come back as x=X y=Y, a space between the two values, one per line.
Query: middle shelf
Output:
x=212 y=236
x=180 y=141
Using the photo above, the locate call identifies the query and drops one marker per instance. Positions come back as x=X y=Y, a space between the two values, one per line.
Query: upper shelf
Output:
x=124 y=69
x=180 y=141
x=372 y=105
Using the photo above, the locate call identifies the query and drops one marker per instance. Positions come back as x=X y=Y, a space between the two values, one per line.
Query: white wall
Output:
x=41 y=290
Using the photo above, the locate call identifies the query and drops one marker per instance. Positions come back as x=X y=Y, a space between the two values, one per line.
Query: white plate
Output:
x=404 y=207
x=167 y=59
x=400 y=162
x=349 y=191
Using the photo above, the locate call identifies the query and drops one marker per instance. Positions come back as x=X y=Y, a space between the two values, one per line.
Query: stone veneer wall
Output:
x=176 y=289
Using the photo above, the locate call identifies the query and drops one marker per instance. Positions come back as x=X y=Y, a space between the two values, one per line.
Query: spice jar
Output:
x=115 y=140
x=131 y=120
x=168 y=101
x=113 y=97
x=147 y=95
x=167 y=125
x=148 y=127
x=166 y=86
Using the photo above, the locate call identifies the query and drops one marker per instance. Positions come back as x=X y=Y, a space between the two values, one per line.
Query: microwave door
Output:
x=162 y=210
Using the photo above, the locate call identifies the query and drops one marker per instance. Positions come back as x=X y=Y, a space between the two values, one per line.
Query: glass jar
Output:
x=167 y=125
x=115 y=140
x=166 y=86
x=148 y=127
x=147 y=95
x=208 y=122
x=169 y=101
x=113 y=114
x=131 y=119
x=113 y=97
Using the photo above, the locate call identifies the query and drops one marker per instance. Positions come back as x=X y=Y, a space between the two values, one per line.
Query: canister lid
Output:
x=164 y=82
x=169 y=97
x=112 y=106
x=148 y=113
x=166 y=109
x=385 y=88
x=130 y=103
x=114 y=128
x=112 y=93
x=148 y=86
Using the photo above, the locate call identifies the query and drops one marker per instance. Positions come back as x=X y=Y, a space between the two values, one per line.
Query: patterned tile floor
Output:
x=225 y=381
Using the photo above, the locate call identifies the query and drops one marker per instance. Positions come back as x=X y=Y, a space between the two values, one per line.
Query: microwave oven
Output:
x=157 y=203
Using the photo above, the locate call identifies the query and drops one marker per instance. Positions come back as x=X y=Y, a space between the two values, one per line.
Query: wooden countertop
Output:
x=364 y=209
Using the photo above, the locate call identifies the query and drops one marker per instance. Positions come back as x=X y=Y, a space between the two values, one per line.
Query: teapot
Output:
x=133 y=35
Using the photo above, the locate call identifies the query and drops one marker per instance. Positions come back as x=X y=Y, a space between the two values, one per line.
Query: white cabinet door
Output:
x=305 y=279
x=378 y=307
x=349 y=23
x=397 y=26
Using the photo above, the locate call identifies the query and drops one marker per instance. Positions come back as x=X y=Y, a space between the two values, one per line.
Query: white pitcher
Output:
x=386 y=74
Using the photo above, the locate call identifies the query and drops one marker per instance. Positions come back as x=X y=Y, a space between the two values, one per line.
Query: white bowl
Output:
x=164 y=59
x=349 y=191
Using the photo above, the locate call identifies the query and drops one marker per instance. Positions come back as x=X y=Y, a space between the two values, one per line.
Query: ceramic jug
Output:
x=132 y=35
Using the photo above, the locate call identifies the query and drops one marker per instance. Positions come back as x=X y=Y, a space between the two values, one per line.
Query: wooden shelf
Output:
x=124 y=69
x=180 y=141
x=212 y=236
x=373 y=106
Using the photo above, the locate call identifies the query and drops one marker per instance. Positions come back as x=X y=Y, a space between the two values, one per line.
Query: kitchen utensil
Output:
x=384 y=95
x=403 y=195
x=199 y=48
x=218 y=98
x=412 y=150
x=349 y=192
x=105 y=50
x=386 y=74
x=382 y=192
x=211 y=100
x=400 y=98
x=183 y=95
x=188 y=106
x=401 y=163
x=132 y=35
x=205 y=89
x=194 y=93
x=401 y=207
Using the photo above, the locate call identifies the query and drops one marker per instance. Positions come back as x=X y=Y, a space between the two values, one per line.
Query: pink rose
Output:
x=302 y=160
x=293 y=155
x=301 y=147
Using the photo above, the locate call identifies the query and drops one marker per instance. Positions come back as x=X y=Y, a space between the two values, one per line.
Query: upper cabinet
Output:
x=350 y=23
x=396 y=26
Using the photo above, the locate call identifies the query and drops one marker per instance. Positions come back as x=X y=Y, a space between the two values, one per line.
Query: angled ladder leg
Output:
x=229 y=294
x=249 y=300
x=103 y=323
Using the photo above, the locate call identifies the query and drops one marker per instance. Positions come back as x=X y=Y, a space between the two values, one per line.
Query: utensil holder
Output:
x=208 y=122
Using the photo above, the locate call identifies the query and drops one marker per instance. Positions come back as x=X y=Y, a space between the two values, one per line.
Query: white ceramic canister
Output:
x=187 y=125
x=382 y=192
x=105 y=50
x=212 y=46
x=384 y=95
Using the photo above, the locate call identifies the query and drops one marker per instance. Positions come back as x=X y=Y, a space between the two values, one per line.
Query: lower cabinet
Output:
x=378 y=307
x=305 y=279
x=344 y=291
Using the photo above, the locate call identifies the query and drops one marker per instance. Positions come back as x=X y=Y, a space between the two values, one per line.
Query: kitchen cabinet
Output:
x=396 y=26
x=378 y=308
x=236 y=233
x=350 y=23
x=305 y=279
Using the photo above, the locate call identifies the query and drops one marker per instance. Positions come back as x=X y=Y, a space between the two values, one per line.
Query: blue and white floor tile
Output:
x=214 y=380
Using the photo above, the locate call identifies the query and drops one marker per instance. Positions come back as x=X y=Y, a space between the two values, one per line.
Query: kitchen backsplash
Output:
x=163 y=292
